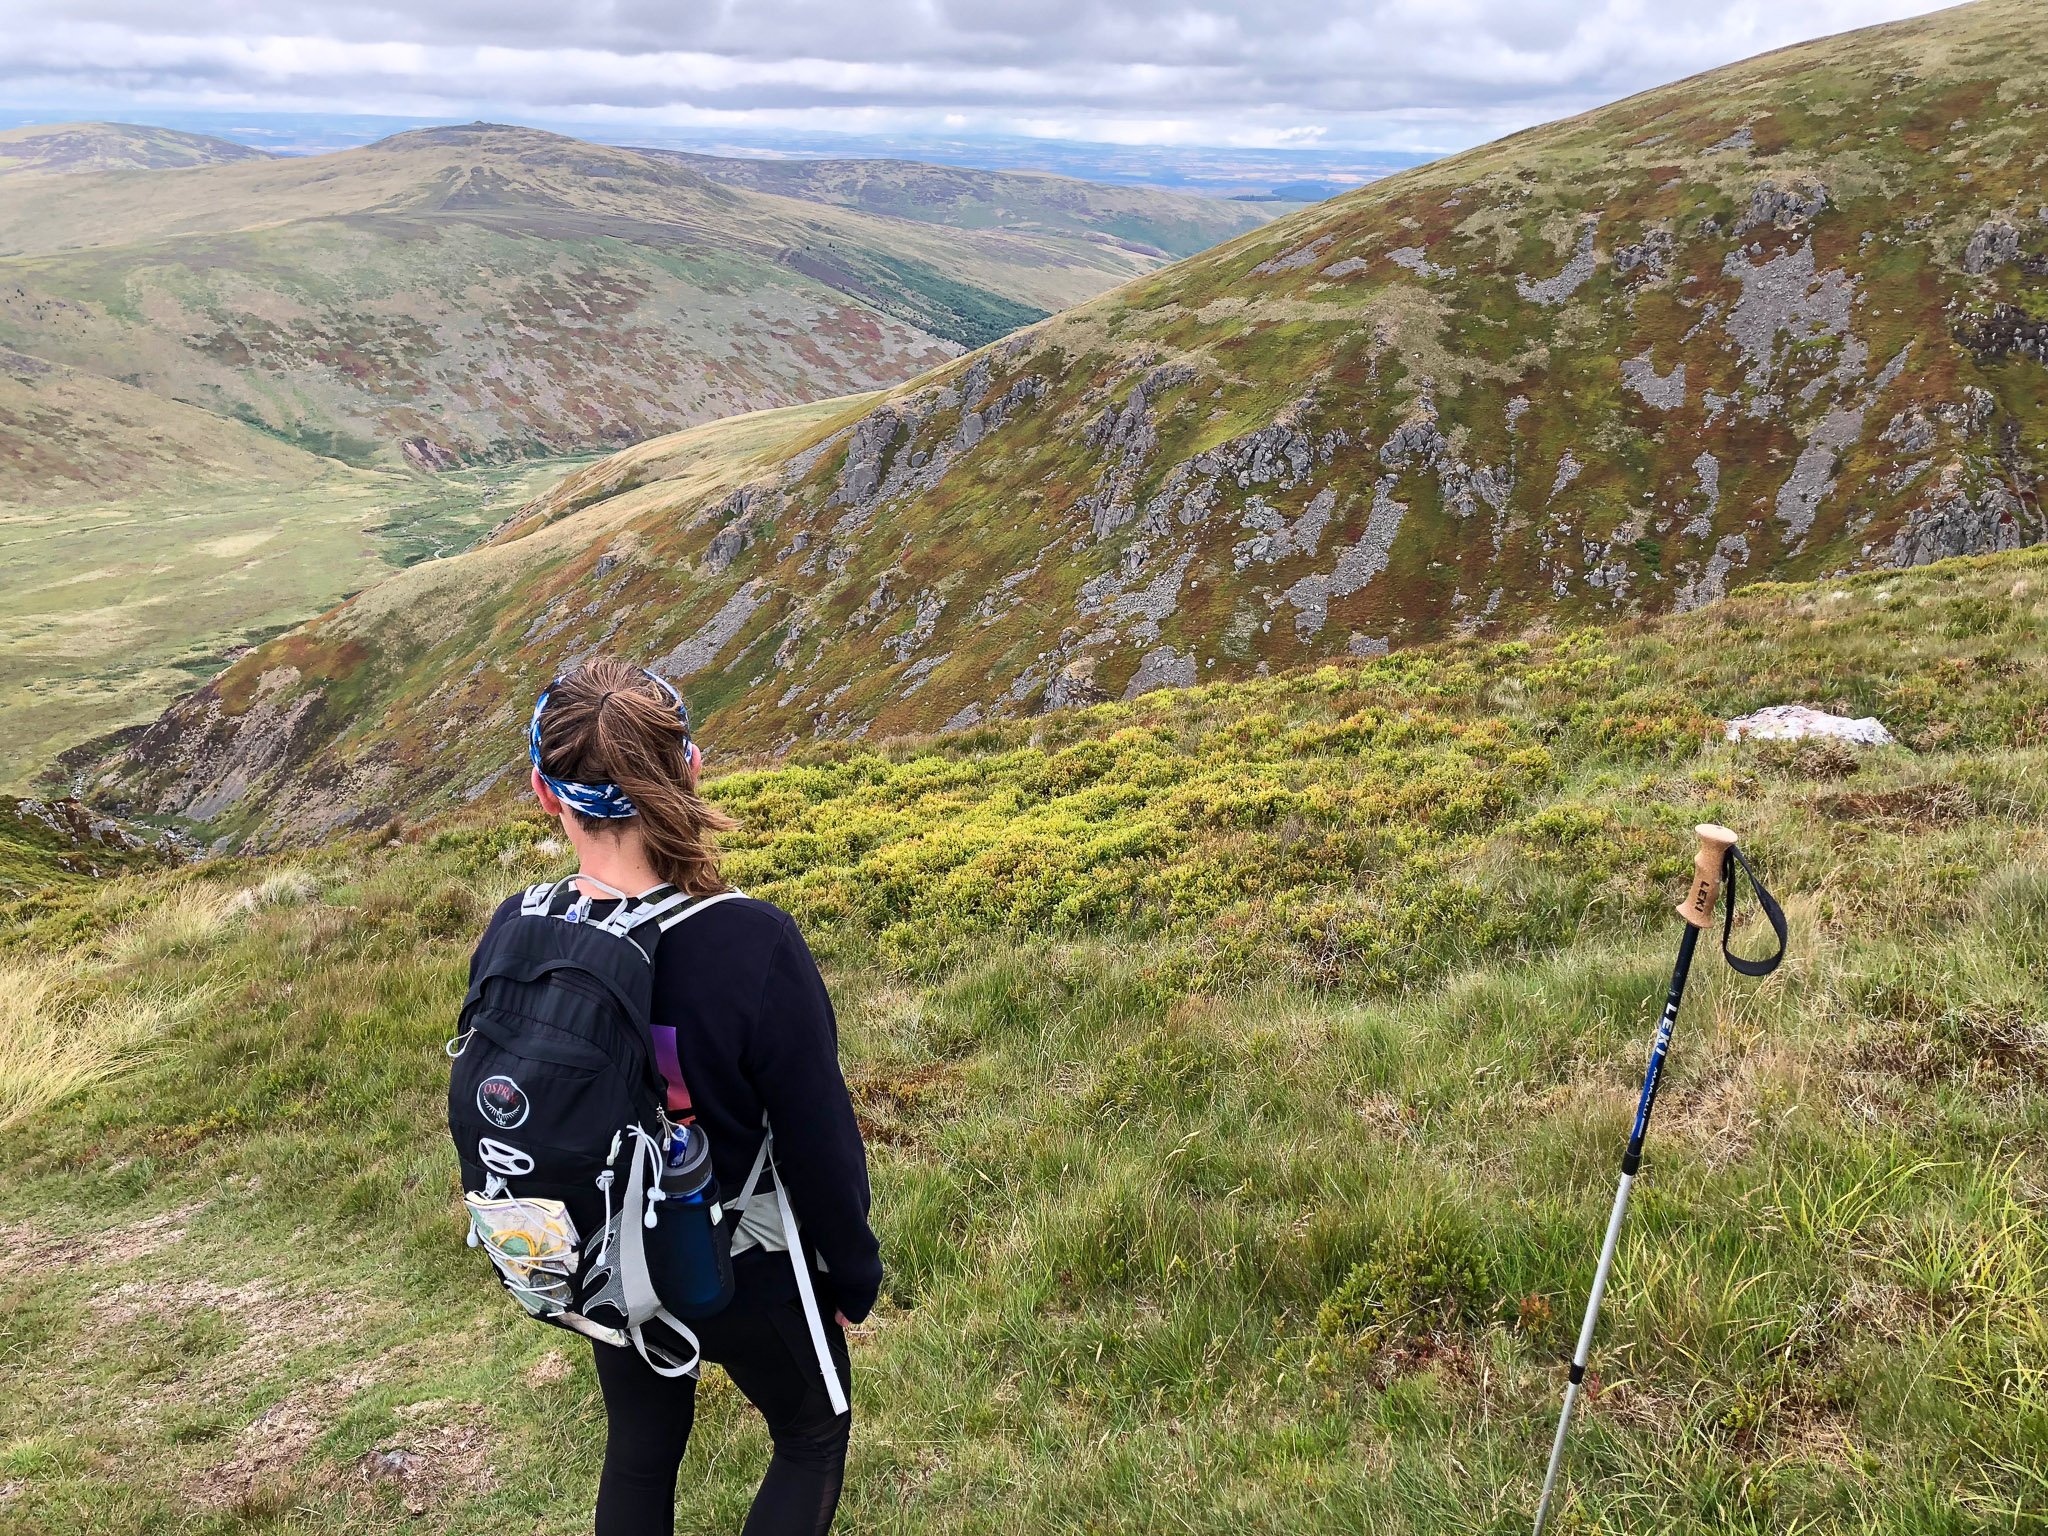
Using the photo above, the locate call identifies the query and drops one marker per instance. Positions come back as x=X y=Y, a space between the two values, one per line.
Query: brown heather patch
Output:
x=894 y=1105
x=1913 y=808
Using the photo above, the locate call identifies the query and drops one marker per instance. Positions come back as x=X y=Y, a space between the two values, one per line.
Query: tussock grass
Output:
x=58 y=1033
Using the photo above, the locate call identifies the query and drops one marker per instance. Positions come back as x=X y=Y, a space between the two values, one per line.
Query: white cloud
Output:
x=1391 y=73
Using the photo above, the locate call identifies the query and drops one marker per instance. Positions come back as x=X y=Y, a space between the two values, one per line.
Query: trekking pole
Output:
x=1716 y=862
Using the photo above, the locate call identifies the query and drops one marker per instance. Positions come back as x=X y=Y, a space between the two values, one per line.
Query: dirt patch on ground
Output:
x=30 y=1251
x=445 y=1453
x=551 y=1369
x=279 y=1319
x=1915 y=808
x=267 y=1450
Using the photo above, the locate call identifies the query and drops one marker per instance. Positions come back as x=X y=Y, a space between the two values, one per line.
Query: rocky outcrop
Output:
x=1957 y=520
x=1993 y=245
x=1162 y=668
x=1783 y=207
x=1555 y=290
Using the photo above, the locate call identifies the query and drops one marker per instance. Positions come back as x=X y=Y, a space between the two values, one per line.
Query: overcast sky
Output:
x=1396 y=74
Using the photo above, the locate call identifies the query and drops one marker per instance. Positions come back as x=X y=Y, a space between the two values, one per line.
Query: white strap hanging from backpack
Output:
x=792 y=1234
x=798 y=1261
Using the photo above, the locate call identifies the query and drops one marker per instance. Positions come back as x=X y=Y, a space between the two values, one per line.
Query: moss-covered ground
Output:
x=1244 y=1071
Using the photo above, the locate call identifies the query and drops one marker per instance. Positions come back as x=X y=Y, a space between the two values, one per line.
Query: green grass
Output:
x=110 y=610
x=1244 y=1073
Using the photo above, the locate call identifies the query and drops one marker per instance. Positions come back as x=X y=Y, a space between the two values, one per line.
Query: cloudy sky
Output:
x=1394 y=74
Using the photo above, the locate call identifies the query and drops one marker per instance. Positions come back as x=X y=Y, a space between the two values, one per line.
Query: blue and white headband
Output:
x=603 y=801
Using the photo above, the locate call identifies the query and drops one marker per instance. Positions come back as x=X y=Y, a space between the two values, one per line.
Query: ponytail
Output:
x=610 y=725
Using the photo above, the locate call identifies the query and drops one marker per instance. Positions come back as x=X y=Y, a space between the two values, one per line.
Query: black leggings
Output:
x=768 y=1354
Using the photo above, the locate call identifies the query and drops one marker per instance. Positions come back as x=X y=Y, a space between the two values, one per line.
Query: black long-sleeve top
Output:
x=755 y=1031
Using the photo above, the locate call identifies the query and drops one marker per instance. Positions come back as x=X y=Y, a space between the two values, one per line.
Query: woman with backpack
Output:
x=744 y=1036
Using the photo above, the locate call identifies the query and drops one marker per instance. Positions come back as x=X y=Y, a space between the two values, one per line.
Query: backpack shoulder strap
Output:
x=670 y=918
x=636 y=911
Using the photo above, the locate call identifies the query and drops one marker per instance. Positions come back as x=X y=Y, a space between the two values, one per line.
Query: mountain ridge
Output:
x=475 y=293
x=1771 y=322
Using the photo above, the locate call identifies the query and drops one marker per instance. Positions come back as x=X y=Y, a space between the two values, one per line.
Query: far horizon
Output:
x=1295 y=174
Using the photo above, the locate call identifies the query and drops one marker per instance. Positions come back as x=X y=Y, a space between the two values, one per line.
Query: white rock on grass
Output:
x=1795 y=722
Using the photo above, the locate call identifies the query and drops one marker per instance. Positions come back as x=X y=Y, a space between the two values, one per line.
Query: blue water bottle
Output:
x=689 y=1248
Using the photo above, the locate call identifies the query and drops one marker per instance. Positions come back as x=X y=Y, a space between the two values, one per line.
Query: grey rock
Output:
x=1957 y=521
x=702 y=648
x=1568 y=469
x=1294 y=260
x=1555 y=290
x=1416 y=260
x=1664 y=394
x=1125 y=436
x=1416 y=440
x=1357 y=563
x=1784 y=293
x=724 y=549
x=1652 y=253
x=1741 y=139
x=1783 y=207
x=1074 y=686
x=1813 y=474
x=873 y=435
x=1162 y=668
x=1712 y=584
x=1993 y=245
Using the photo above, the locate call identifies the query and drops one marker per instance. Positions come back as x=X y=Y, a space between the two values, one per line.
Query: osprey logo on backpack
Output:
x=502 y=1102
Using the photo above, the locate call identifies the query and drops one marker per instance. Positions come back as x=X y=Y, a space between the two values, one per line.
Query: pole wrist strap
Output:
x=1774 y=913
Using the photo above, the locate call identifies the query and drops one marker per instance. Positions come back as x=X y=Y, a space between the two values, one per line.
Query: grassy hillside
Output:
x=1746 y=326
x=70 y=149
x=1244 y=1070
x=972 y=199
x=464 y=295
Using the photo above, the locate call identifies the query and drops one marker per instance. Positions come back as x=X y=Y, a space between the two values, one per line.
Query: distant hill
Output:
x=1780 y=320
x=1135 y=217
x=464 y=295
x=73 y=149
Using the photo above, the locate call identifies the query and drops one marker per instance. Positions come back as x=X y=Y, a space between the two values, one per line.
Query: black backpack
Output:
x=554 y=1082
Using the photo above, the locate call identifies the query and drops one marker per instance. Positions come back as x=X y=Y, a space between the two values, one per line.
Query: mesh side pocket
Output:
x=534 y=1246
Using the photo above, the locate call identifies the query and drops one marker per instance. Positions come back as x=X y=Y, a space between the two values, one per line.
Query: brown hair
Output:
x=609 y=722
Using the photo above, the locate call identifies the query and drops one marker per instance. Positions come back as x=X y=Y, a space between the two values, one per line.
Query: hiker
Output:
x=743 y=1034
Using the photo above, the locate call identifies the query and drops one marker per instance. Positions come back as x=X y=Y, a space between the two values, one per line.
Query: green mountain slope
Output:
x=69 y=149
x=465 y=295
x=1776 y=321
x=971 y=199
x=1243 y=1071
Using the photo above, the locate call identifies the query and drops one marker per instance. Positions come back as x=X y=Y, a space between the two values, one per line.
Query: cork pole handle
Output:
x=1698 y=906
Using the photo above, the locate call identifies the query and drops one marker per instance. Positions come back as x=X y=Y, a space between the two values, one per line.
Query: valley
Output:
x=111 y=609
x=235 y=389
x=1771 y=323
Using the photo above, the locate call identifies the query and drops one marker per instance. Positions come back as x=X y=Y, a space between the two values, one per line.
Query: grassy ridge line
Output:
x=1184 y=1234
